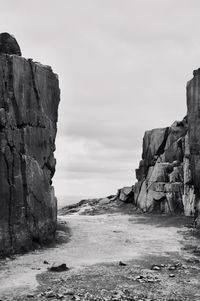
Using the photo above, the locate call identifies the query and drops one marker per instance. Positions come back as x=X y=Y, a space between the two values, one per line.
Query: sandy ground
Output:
x=95 y=247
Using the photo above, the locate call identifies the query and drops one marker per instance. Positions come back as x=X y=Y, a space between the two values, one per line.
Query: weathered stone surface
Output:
x=126 y=194
x=29 y=98
x=8 y=44
x=193 y=104
x=189 y=200
x=164 y=173
x=176 y=175
x=169 y=172
x=153 y=144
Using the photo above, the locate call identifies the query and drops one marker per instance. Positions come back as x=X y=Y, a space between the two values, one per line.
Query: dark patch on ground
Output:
x=164 y=220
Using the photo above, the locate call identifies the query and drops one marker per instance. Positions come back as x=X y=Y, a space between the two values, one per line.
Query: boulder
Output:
x=58 y=267
x=8 y=44
x=104 y=201
x=126 y=194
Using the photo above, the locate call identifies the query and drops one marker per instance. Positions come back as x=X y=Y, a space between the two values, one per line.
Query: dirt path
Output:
x=96 y=245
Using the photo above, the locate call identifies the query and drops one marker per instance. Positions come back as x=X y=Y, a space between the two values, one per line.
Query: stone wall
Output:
x=29 y=98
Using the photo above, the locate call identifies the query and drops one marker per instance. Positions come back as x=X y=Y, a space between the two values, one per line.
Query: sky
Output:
x=123 y=67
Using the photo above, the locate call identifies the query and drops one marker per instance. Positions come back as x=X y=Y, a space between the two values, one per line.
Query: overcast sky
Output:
x=123 y=67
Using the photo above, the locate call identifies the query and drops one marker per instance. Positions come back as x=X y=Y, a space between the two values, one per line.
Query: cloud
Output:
x=123 y=67
x=82 y=156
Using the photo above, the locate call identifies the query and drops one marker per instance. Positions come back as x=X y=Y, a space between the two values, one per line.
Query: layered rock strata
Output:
x=29 y=98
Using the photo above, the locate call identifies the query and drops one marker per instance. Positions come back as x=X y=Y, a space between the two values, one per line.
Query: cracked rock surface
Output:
x=29 y=98
x=168 y=176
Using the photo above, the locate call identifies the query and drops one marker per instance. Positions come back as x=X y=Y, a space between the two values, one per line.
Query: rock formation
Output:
x=126 y=194
x=29 y=98
x=193 y=105
x=169 y=172
x=163 y=175
x=8 y=44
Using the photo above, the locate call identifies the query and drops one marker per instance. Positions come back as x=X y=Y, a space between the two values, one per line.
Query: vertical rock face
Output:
x=169 y=172
x=163 y=169
x=29 y=98
x=193 y=104
x=168 y=176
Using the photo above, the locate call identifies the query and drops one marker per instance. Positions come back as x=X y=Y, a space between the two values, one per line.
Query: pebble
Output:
x=156 y=268
x=49 y=294
x=172 y=268
x=171 y=275
x=30 y=295
x=45 y=262
x=146 y=278
x=69 y=292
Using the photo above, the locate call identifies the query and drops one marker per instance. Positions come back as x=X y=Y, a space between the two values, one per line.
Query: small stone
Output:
x=156 y=268
x=30 y=295
x=69 y=292
x=49 y=294
x=45 y=262
x=171 y=275
x=58 y=268
x=150 y=280
x=172 y=268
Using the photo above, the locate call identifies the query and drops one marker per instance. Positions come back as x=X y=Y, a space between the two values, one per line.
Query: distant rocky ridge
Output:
x=29 y=98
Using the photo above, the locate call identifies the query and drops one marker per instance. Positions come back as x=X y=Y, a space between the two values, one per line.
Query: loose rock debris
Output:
x=58 y=268
x=145 y=278
x=170 y=267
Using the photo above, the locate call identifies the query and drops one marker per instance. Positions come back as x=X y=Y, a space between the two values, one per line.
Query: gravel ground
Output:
x=159 y=258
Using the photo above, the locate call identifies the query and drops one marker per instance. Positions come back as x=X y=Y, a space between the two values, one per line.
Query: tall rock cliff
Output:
x=169 y=172
x=193 y=105
x=29 y=98
x=164 y=174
